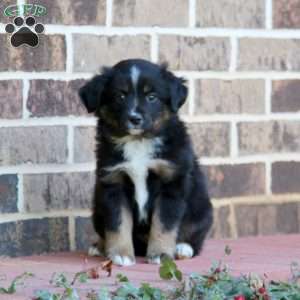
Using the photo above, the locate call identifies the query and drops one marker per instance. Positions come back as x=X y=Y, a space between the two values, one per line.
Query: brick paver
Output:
x=263 y=255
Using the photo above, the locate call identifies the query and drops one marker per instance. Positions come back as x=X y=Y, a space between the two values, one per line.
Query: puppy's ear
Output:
x=90 y=93
x=178 y=91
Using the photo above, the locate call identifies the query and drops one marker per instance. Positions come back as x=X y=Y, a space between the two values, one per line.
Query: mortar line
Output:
x=25 y=93
x=257 y=199
x=72 y=229
x=20 y=202
x=268 y=167
x=207 y=118
x=70 y=143
x=234 y=143
x=70 y=53
x=181 y=31
x=90 y=166
x=222 y=75
x=233 y=54
x=21 y=3
x=232 y=221
x=109 y=13
x=49 y=121
x=268 y=96
x=48 y=168
x=192 y=13
x=191 y=104
x=13 y=217
x=269 y=14
x=154 y=51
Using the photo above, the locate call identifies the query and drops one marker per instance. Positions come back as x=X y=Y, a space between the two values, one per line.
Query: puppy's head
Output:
x=134 y=97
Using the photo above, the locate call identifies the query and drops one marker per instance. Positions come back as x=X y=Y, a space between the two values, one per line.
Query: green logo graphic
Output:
x=36 y=10
x=24 y=29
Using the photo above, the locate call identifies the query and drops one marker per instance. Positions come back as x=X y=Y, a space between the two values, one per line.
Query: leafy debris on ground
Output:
x=217 y=284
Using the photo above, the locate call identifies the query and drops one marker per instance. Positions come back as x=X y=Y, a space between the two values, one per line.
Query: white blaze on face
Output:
x=135 y=74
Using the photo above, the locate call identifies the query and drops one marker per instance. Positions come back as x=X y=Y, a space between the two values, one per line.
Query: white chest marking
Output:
x=139 y=155
x=139 y=158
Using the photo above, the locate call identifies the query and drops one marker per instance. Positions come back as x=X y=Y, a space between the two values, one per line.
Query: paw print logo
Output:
x=24 y=34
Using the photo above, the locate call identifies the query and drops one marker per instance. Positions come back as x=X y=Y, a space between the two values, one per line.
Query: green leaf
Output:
x=178 y=275
x=168 y=269
x=83 y=277
x=122 y=278
x=17 y=281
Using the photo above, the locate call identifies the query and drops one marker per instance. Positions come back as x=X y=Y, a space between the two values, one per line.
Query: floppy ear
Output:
x=178 y=91
x=90 y=93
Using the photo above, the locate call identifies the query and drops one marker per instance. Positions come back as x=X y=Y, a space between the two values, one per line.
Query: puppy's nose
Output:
x=135 y=119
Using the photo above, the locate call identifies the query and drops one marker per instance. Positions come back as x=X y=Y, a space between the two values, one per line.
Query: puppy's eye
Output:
x=121 y=96
x=151 y=97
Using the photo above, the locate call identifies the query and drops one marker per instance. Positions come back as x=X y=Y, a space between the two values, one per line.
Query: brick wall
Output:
x=242 y=62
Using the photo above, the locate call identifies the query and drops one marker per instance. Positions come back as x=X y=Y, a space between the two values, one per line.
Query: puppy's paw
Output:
x=122 y=260
x=94 y=251
x=156 y=259
x=183 y=251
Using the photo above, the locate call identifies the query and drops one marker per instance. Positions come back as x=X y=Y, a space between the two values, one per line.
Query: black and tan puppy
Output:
x=150 y=195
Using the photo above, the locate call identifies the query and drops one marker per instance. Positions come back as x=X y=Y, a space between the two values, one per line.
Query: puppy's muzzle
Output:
x=135 y=120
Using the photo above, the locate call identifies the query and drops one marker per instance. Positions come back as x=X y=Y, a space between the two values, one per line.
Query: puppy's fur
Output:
x=150 y=194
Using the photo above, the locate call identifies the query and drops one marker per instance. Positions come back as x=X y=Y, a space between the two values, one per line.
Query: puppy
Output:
x=150 y=196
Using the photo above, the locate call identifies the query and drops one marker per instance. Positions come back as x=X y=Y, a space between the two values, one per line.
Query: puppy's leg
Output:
x=97 y=249
x=118 y=244
x=191 y=235
x=161 y=241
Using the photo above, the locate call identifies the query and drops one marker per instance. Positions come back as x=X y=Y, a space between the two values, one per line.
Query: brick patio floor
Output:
x=263 y=255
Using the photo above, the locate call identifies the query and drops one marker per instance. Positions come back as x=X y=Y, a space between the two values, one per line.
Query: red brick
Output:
x=287 y=218
x=46 y=192
x=286 y=13
x=256 y=219
x=85 y=234
x=150 y=13
x=269 y=137
x=194 y=53
x=226 y=181
x=285 y=177
x=73 y=12
x=50 y=55
x=35 y=145
x=10 y=99
x=221 y=226
x=84 y=144
x=267 y=219
x=233 y=13
x=215 y=96
x=107 y=50
x=210 y=139
x=285 y=96
x=55 y=98
x=263 y=54
x=34 y=236
x=3 y=5
x=8 y=193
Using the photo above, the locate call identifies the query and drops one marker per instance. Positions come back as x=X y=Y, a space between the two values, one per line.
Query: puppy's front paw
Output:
x=94 y=251
x=156 y=259
x=183 y=251
x=122 y=260
x=153 y=259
